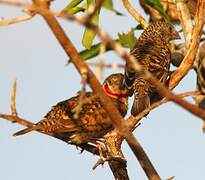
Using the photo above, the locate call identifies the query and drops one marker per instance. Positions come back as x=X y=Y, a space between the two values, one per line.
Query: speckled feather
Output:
x=200 y=71
x=153 y=53
x=92 y=122
x=201 y=76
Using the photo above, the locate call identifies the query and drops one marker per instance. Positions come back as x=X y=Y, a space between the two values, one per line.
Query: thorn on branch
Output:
x=171 y=178
x=99 y=162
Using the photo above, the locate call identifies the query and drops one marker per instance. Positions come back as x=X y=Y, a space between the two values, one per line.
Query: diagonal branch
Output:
x=185 y=19
x=134 y=13
x=115 y=116
x=80 y=65
x=188 y=61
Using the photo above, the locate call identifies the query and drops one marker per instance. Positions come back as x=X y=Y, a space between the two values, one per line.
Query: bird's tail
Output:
x=140 y=104
x=129 y=78
x=141 y=98
x=24 y=131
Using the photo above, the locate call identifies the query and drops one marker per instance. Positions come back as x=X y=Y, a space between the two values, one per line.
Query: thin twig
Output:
x=135 y=14
x=23 y=5
x=6 y=22
x=133 y=121
x=16 y=119
x=13 y=100
x=113 y=65
x=100 y=64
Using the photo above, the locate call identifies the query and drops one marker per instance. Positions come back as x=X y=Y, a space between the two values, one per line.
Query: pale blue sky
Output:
x=171 y=136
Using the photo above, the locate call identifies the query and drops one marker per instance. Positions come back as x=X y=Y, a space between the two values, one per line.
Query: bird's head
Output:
x=113 y=86
x=166 y=29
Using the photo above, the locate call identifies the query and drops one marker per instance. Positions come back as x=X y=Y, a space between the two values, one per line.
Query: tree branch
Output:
x=65 y=42
x=6 y=22
x=135 y=14
x=188 y=61
x=115 y=116
x=185 y=19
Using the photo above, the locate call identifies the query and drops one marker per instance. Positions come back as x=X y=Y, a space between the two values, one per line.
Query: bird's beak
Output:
x=175 y=35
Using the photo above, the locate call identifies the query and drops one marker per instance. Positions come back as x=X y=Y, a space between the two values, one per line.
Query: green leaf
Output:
x=128 y=40
x=72 y=7
x=89 y=53
x=108 y=4
x=157 y=6
x=76 y=10
x=92 y=52
x=89 y=35
x=90 y=1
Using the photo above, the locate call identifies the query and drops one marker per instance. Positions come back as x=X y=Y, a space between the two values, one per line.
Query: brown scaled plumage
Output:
x=199 y=68
x=92 y=122
x=153 y=53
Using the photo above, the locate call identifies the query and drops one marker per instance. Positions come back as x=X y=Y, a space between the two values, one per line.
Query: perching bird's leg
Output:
x=90 y=148
x=103 y=153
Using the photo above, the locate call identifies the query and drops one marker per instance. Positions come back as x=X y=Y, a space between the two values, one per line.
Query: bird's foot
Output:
x=102 y=148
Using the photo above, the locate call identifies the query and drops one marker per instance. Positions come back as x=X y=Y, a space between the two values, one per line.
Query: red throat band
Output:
x=111 y=93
